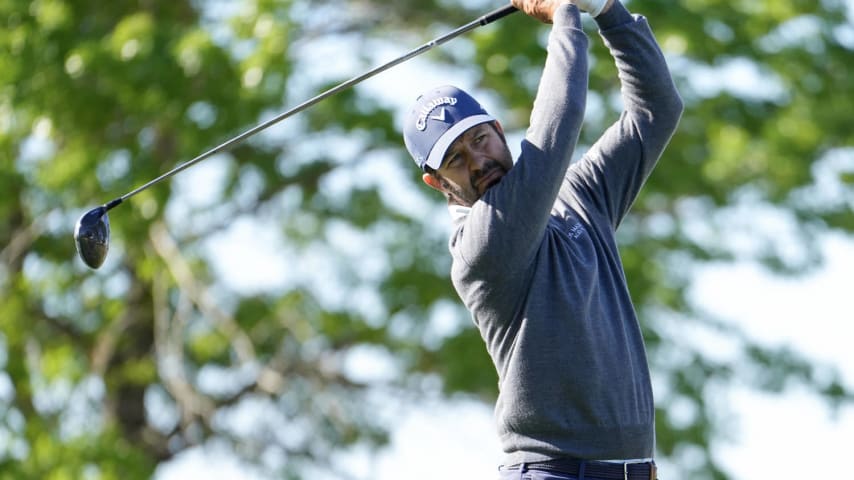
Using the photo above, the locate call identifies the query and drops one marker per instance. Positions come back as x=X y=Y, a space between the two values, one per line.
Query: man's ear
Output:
x=499 y=128
x=432 y=181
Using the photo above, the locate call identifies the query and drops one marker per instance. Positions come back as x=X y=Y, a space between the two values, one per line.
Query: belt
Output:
x=594 y=470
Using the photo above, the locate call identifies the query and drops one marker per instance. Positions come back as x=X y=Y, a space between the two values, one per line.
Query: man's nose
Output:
x=476 y=161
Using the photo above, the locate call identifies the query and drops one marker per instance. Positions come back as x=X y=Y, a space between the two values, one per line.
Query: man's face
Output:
x=476 y=161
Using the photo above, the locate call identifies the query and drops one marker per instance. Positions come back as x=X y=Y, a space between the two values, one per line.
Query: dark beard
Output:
x=467 y=198
x=458 y=196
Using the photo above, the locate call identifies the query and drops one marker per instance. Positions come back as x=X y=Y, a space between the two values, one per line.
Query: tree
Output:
x=112 y=373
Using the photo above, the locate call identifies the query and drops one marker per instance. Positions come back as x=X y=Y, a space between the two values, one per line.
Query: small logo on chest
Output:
x=576 y=231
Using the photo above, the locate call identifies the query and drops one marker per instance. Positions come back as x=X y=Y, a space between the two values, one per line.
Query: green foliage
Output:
x=97 y=98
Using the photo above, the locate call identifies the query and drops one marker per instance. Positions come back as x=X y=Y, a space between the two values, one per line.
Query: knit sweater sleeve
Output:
x=509 y=221
x=615 y=168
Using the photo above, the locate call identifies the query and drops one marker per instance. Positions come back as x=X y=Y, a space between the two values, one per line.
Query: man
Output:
x=535 y=258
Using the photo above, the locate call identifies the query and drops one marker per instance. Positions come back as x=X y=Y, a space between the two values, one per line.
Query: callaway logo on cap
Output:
x=426 y=111
x=436 y=120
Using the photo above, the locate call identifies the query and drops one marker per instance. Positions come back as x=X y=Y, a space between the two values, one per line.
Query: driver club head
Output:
x=92 y=236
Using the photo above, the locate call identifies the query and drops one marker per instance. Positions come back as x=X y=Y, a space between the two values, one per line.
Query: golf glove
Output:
x=592 y=7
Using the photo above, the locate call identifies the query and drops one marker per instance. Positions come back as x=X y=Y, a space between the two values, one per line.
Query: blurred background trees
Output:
x=272 y=300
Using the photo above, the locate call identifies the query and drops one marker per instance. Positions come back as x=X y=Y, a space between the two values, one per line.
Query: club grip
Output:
x=497 y=14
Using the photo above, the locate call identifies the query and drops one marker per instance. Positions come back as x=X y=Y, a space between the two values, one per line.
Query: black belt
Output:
x=594 y=470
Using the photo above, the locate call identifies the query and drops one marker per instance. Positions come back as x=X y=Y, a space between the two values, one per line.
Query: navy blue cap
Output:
x=436 y=120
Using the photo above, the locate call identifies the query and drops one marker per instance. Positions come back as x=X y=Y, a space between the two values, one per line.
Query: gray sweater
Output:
x=535 y=260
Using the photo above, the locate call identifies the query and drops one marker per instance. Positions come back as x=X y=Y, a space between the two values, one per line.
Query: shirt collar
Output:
x=458 y=212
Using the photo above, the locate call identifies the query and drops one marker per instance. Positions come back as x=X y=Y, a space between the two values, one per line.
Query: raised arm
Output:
x=510 y=219
x=618 y=164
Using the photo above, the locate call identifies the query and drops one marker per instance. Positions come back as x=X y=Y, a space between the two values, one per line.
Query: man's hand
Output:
x=542 y=10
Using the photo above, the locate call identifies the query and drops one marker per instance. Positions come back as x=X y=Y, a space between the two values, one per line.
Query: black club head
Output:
x=92 y=236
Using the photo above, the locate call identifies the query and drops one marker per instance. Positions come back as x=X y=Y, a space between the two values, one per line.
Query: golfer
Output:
x=535 y=257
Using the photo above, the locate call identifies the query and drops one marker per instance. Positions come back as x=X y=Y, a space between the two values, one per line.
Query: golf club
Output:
x=92 y=232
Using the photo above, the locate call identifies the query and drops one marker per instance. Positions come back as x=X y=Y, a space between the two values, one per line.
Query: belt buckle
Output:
x=653 y=471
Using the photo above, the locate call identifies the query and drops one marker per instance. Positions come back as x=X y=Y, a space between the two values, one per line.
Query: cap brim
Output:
x=437 y=154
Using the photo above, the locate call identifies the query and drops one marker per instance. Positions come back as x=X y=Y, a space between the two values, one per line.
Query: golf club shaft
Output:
x=481 y=21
